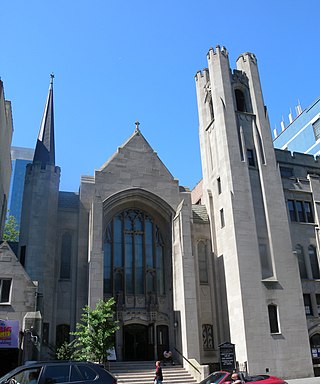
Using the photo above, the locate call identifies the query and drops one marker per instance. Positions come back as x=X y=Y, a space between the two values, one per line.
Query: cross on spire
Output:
x=137 y=126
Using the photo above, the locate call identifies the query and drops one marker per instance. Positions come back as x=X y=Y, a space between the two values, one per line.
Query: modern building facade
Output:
x=235 y=260
x=6 y=130
x=303 y=133
x=20 y=157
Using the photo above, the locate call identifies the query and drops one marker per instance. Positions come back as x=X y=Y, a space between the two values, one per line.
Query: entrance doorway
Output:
x=136 y=342
x=162 y=340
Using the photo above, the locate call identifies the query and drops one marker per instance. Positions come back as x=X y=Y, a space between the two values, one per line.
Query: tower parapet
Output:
x=219 y=50
x=248 y=56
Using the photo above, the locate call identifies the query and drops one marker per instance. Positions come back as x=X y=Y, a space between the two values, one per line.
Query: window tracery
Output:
x=133 y=255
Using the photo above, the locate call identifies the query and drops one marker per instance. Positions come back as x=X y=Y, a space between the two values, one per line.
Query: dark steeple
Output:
x=44 y=151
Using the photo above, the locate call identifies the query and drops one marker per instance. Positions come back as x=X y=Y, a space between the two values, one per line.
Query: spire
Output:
x=44 y=151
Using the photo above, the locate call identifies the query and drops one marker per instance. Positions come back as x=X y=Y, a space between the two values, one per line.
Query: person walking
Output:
x=158 y=379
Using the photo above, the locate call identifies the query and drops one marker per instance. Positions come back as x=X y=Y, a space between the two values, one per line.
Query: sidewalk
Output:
x=307 y=380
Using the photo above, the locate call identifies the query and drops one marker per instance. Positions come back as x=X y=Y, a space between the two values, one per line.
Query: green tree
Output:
x=66 y=351
x=11 y=229
x=94 y=334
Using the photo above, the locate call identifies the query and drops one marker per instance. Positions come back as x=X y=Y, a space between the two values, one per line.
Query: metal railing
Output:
x=189 y=362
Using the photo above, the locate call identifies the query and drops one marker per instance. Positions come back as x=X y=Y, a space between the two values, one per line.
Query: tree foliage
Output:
x=11 y=229
x=94 y=333
x=66 y=351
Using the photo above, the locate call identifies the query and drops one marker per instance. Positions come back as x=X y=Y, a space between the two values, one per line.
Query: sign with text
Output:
x=9 y=333
x=227 y=356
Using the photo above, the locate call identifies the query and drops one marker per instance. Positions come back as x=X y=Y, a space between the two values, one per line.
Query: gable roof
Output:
x=136 y=143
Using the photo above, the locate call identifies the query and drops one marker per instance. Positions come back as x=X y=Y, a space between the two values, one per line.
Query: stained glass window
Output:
x=133 y=255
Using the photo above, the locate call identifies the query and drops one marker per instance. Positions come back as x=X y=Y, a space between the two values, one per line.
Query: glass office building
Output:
x=20 y=158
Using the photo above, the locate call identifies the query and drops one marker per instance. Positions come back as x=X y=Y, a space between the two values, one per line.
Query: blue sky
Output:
x=116 y=62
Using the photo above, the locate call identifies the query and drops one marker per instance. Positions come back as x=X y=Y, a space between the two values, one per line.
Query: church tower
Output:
x=39 y=216
x=243 y=194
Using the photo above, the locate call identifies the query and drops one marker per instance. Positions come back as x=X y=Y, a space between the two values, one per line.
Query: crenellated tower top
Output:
x=219 y=50
x=247 y=56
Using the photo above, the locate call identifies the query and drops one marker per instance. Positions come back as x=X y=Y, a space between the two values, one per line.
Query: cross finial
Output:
x=52 y=77
x=137 y=126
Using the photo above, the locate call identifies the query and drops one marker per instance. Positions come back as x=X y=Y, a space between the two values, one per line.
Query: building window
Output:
x=250 y=157
x=5 y=289
x=314 y=262
x=307 y=304
x=308 y=212
x=301 y=262
x=133 y=255
x=222 y=222
x=65 y=256
x=240 y=101
x=202 y=262
x=292 y=210
x=300 y=211
x=286 y=172
x=318 y=304
x=219 y=185
x=273 y=318
x=299 y=207
x=207 y=337
x=316 y=129
x=62 y=334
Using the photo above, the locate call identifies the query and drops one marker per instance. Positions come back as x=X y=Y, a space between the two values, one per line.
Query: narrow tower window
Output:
x=222 y=222
x=219 y=185
x=240 y=101
x=273 y=318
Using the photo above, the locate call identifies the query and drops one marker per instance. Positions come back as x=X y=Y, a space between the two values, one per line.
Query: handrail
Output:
x=189 y=362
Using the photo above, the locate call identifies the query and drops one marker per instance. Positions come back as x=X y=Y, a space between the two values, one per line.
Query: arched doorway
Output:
x=315 y=352
x=136 y=342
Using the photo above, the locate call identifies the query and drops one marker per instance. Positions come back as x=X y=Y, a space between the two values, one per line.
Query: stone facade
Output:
x=189 y=270
x=6 y=130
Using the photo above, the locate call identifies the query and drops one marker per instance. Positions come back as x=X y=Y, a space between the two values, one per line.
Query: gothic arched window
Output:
x=314 y=262
x=133 y=255
x=301 y=262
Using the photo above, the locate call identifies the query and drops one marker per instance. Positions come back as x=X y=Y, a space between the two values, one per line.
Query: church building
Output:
x=232 y=261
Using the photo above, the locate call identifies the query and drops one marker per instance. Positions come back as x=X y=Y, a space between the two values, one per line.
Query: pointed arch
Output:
x=314 y=263
x=301 y=261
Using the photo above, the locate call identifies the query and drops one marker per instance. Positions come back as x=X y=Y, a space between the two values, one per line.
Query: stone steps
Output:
x=142 y=372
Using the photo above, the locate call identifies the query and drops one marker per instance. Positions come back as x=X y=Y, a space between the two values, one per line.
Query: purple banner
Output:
x=9 y=333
